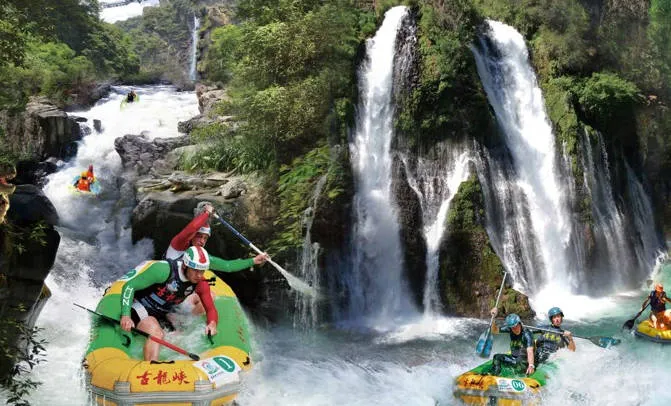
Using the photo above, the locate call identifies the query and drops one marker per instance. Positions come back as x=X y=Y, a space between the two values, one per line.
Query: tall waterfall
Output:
x=531 y=191
x=621 y=259
x=531 y=227
x=376 y=285
x=193 y=72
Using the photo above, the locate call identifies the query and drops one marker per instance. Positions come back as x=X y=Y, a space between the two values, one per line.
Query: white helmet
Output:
x=196 y=258
x=205 y=230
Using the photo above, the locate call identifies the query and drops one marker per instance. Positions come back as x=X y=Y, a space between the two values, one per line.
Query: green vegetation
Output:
x=289 y=68
x=157 y=38
x=54 y=48
x=18 y=384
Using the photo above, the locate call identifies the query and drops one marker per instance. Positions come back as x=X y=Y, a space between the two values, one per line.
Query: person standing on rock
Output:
x=196 y=234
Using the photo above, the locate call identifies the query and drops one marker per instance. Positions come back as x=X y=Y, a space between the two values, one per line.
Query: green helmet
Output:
x=512 y=320
x=555 y=311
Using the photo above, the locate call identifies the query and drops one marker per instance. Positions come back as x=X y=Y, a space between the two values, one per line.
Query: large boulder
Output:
x=28 y=243
x=140 y=153
x=41 y=131
x=470 y=271
x=168 y=206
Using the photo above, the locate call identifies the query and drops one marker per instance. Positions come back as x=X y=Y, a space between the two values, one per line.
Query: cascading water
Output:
x=193 y=72
x=436 y=181
x=503 y=65
x=306 y=306
x=96 y=246
x=376 y=285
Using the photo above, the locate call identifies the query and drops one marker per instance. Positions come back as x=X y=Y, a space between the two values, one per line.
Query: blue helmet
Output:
x=512 y=320
x=555 y=311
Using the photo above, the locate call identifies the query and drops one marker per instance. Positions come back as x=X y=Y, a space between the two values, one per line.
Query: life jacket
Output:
x=656 y=303
x=520 y=342
x=161 y=298
x=551 y=341
x=83 y=184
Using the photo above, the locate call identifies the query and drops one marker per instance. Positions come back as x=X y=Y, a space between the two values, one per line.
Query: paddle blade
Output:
x=605 y=342
x=484 y=344
x=629 y=324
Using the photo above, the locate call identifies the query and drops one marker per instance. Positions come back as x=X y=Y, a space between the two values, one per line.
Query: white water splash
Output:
x=193 y=72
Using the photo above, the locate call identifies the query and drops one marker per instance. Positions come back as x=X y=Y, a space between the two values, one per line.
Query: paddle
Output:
x=484 y=345
x=603 y=342
x=142 y=333
x=293 y=281
x=629 y=324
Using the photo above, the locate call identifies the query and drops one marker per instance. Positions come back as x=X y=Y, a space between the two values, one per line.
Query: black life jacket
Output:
x=161 y=298
x=656 y=303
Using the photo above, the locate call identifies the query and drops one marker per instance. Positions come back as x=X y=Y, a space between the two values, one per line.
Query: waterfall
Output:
x=306 y=306
x=623 y=261
x=436 y=180
x=533 y=186
x=193 y=73
x=376 y=286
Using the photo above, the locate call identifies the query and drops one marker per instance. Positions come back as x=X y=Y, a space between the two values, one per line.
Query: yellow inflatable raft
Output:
x=117 y=376
x=646 y=331
x=476 y=387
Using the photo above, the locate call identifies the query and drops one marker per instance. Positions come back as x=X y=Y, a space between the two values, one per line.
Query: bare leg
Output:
x=197 y=303
x=653 y=319
x=151 y=348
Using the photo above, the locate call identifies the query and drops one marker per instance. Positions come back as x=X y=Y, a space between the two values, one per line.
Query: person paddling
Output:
x=549 y=342
x=196 y=234
x=156 y=287
x=659 y=316
x=521 y=357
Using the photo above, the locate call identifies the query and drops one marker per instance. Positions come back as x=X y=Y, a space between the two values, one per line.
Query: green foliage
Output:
x=295 y=189
x=21 y=347
x=12 y=36
x=447 y=92
x=156 y=39
x=604 y=96
x=659 y=32
x=286 y=64
x=467 y=208
x=223 y=150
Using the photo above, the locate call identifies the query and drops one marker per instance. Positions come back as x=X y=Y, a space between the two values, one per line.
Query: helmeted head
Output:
x=84 y=174
x=196 y=258
x=201 y=236
x=513 y=320
x=659 y=287
x=555 y=311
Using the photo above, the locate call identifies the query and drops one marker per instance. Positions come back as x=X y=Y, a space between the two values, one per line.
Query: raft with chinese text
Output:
x=117 y=375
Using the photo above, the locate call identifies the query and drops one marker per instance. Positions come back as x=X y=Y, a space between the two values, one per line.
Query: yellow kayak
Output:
x=646 y=331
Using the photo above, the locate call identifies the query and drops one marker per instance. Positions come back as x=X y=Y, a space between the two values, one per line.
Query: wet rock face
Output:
x=139 y=153
x=41 y=131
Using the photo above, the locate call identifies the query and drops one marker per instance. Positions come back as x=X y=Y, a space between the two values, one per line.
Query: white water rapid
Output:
x=96 y=246
x=377 y=289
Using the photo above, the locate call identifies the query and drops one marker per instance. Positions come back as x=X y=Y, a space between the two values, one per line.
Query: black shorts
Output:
x=161 y=317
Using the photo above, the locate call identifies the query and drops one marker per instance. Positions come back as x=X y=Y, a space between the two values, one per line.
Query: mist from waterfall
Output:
x=375 y=284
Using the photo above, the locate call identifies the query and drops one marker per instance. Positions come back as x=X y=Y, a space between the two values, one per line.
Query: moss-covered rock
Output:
x=470 y=270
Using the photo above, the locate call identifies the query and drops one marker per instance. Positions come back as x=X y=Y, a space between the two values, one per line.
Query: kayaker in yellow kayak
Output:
x=659 y=316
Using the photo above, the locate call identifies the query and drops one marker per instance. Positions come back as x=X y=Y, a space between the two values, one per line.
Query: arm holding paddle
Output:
x=484 y=345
